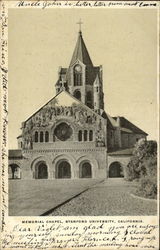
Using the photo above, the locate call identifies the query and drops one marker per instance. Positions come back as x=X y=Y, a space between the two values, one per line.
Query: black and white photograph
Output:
x=82 y=101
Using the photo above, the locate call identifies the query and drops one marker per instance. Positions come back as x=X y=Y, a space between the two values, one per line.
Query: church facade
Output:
x=72 y=136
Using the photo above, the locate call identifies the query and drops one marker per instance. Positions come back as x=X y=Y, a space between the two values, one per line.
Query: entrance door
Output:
x=64 y=170
x=14 y=171
x=42 y=171
x=86 y=170
x=115 y=170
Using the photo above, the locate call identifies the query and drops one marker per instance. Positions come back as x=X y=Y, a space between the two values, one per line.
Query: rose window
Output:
x=63 y=131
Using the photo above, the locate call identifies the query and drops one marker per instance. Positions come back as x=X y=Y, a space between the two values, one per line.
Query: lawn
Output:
x=35 y=197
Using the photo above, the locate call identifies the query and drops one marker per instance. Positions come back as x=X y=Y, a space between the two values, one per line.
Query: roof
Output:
x=74 y=99
x=110 y=120
x=124 y=123
x=81 y=52
x=127 y=151
x=63 y=71
x=15 y=153
x=126 y=130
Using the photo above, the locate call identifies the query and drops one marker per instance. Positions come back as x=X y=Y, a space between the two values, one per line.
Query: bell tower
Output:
x=82 y=79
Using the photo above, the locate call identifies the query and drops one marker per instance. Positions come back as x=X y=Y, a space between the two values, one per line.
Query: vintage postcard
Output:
x=79 y=123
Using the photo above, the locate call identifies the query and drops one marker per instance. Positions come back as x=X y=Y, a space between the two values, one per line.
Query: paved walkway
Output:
x=110 y=198
x=35 y=197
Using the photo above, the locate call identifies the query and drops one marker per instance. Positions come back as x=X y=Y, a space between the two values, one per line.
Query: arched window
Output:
x=89 y=99
x=77 y=94
x=36 y=136
x=41 y=136
x=80 y=135
x=46 y=136
x=77 y=75
x=90 y=135
x=85 y=135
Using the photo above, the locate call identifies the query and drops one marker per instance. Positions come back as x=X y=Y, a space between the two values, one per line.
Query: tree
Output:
x=143 y=167
x=143 y=161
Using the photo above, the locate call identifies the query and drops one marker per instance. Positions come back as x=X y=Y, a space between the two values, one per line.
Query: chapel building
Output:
x=72 y=136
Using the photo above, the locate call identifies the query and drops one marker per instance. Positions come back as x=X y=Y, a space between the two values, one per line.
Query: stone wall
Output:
x=96 y=157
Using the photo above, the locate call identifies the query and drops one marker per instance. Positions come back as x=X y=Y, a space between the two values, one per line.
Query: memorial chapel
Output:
x=72 y=136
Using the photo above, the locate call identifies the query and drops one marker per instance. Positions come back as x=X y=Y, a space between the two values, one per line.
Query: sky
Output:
x=123 y=41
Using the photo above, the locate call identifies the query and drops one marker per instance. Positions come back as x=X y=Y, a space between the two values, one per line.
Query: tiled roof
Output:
x=15 y=153
x=127 y=124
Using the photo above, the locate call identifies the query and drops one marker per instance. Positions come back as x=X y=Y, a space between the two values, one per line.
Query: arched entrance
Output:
x=85 y=170
x=116 y=170
x=41 y=171
x=14 y=171
x=63 y=170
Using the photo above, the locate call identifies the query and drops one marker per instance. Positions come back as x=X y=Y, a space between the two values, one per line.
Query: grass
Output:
x=35 y=197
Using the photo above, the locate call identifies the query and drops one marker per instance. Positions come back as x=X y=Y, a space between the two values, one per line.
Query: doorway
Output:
x=86 y=170
x=63 y=170
x=41 y=171
x=115 y=170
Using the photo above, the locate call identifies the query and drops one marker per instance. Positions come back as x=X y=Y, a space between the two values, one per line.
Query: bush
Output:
x=147 y=187
x=143 y=166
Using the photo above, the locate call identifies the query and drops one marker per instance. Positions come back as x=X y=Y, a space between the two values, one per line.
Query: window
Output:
x=90 y=135
x=111 y=134
x=63 y=131
x=77 y=94
x=89 y=99
x=41 y=136
x=97 y=88
x=85 y=135
x=77 y=75
x=80 y=135
x=36 y=136
x=46 y=136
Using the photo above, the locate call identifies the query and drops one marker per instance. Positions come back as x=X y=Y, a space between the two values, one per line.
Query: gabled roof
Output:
x=80 y=52
x=124 y=123
x=62 y=95
x=110 y=120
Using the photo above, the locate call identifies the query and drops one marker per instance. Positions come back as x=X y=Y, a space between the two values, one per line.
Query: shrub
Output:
x=143 y=166
x=147 y=187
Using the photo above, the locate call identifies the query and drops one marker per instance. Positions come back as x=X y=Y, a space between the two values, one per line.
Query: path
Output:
x=110 y=198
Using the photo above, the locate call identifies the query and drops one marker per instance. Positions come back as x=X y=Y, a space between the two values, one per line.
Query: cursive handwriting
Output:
x=69 y=235
x=4 y=111
x=90 y=4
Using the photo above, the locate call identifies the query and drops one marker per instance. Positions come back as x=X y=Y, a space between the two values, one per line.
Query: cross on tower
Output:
x=80 y=23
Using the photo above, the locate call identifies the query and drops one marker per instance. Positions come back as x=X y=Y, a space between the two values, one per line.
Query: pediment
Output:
x=63 y=107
